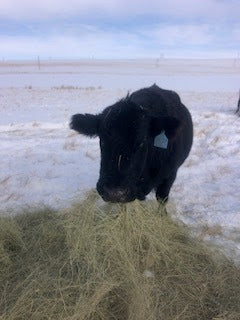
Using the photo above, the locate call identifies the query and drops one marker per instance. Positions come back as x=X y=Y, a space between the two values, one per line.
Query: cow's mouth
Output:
x=141 y=197
x=117 y=199
x=115 y=195
x=126 y=200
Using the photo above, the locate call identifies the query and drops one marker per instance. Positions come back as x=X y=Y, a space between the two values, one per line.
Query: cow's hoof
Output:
x=162 y=208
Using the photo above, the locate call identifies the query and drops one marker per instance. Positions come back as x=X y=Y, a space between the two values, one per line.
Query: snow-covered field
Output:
x=44 y=162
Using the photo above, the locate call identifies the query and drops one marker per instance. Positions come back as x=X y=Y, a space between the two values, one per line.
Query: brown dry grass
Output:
x=95 y=262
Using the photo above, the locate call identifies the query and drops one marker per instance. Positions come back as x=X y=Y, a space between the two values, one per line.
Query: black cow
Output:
x=144 y=139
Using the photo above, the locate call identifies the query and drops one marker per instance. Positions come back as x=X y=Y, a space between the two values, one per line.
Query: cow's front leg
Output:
x=162 y=190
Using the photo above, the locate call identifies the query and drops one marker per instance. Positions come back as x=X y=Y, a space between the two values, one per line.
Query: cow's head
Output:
x=126 y=134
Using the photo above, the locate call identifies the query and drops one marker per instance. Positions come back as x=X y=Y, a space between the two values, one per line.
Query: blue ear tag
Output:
x=161 y=141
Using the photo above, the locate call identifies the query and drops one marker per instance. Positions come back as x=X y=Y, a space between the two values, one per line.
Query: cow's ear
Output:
x=170 y=125
x=87 y=124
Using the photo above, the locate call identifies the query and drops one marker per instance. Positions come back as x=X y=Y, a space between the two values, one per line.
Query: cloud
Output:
x=86 y=45
x=182 y=34
x=121 y=9
x=118 y=28
x=86 y=41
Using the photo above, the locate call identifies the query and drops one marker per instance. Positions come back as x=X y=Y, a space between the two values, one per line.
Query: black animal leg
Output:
x=163 y=189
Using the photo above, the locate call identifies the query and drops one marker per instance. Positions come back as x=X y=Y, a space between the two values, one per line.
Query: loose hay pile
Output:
x=113 y=262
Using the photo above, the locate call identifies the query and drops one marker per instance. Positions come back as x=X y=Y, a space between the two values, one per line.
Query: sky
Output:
x=103 y=29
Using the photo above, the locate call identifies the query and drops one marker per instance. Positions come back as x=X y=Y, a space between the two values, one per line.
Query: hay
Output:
x=111 y=262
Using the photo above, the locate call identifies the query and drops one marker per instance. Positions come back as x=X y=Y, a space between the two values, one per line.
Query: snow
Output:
x=197 y=75
x=45 y=163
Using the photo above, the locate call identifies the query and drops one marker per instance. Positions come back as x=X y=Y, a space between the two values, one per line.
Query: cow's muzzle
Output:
x=109 y=194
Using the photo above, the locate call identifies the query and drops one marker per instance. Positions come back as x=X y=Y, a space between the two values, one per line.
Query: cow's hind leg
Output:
x=162 y=191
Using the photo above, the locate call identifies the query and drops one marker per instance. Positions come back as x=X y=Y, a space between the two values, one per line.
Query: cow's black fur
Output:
x=131 y=166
